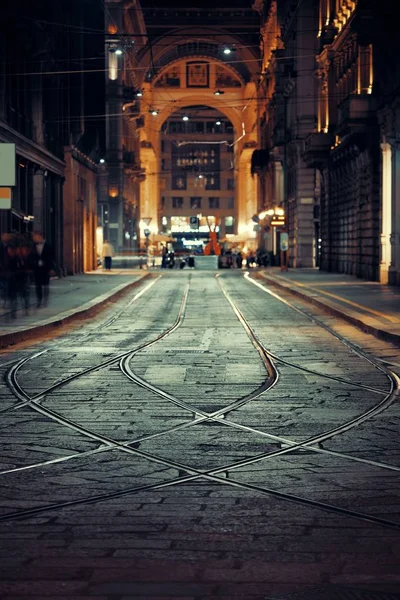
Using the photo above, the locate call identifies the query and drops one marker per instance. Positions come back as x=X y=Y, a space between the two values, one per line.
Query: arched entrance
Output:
x=214 y=85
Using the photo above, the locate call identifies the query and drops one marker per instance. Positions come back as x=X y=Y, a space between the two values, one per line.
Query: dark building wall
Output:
x=43 y=47
x=350 y=224
x=350 y=78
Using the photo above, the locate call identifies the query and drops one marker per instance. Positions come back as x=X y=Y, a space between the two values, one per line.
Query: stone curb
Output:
x=365 y=323
x=85 y=311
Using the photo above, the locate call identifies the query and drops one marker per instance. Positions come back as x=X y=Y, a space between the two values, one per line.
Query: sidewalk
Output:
x=71 y=298
x=371 y=306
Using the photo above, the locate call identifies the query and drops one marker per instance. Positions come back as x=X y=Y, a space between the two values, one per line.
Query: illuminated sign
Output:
x=278 y=221
x=5 y=198
x=7 y=165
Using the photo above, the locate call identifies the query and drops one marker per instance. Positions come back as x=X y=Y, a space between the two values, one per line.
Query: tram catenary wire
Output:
x=212 y=474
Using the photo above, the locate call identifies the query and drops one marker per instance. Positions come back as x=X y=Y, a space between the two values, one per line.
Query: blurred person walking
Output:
x=107 y=252
x=15 y=268
x=42 y=263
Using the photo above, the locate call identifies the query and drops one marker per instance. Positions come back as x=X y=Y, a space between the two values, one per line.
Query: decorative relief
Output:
x=322 y=74
x=170 y=78
x=198 y=74
x=224 y=78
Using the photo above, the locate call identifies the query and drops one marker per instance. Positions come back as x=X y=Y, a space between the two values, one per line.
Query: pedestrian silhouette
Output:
x=107 y=252
x=42 y=263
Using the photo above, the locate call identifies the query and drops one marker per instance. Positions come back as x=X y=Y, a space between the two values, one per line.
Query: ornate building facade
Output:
x=173 y=67
x=345 y=145
x=287 y=109
x=197 y=176
x=354 y=143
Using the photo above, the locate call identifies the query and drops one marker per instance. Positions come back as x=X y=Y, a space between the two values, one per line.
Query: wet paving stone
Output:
x=163 y=499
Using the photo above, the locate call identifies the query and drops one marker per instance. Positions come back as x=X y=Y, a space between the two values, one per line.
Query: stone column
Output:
x=386 y=213
x=247 y=203
x=394 y=269
x=38 y=199
x=149 y=190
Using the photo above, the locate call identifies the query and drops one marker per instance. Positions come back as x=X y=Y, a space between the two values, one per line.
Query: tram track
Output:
x=24 y=401
x=220 y=416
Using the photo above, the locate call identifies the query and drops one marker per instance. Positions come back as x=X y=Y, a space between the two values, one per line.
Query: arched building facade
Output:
x=166 y=68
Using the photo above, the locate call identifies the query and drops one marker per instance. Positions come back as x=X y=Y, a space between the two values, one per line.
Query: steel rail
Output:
x=210 y=474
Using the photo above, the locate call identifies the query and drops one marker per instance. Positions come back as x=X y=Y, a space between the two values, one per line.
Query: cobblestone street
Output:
x=203 y=437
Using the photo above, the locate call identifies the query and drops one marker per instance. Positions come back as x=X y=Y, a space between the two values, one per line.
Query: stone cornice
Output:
x=31 y=150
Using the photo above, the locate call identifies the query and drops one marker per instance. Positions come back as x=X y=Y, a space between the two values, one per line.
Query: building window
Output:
x=230 y=184
x=212 y=182
x=212 y=128
x=193 y=157
x=177 y=127
x=213 y=202
x=195 y=127
x=177 y=202
x=230 y=203
x=162 y=146
x=179 y=181
x=229 y=225
x=195 y=202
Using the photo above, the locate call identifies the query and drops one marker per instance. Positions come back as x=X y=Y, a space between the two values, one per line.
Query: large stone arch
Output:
x=238 y=104
x=152 y=55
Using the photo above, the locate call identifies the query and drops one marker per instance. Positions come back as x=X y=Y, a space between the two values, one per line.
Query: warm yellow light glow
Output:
x=152 y=227
x=371 y=70
x=263 y=214
x=386 y=218
x=279 y=211
x=113 y=192
x=247 y=229
x=112 y=66
x=112 y=29
x=326 y=115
